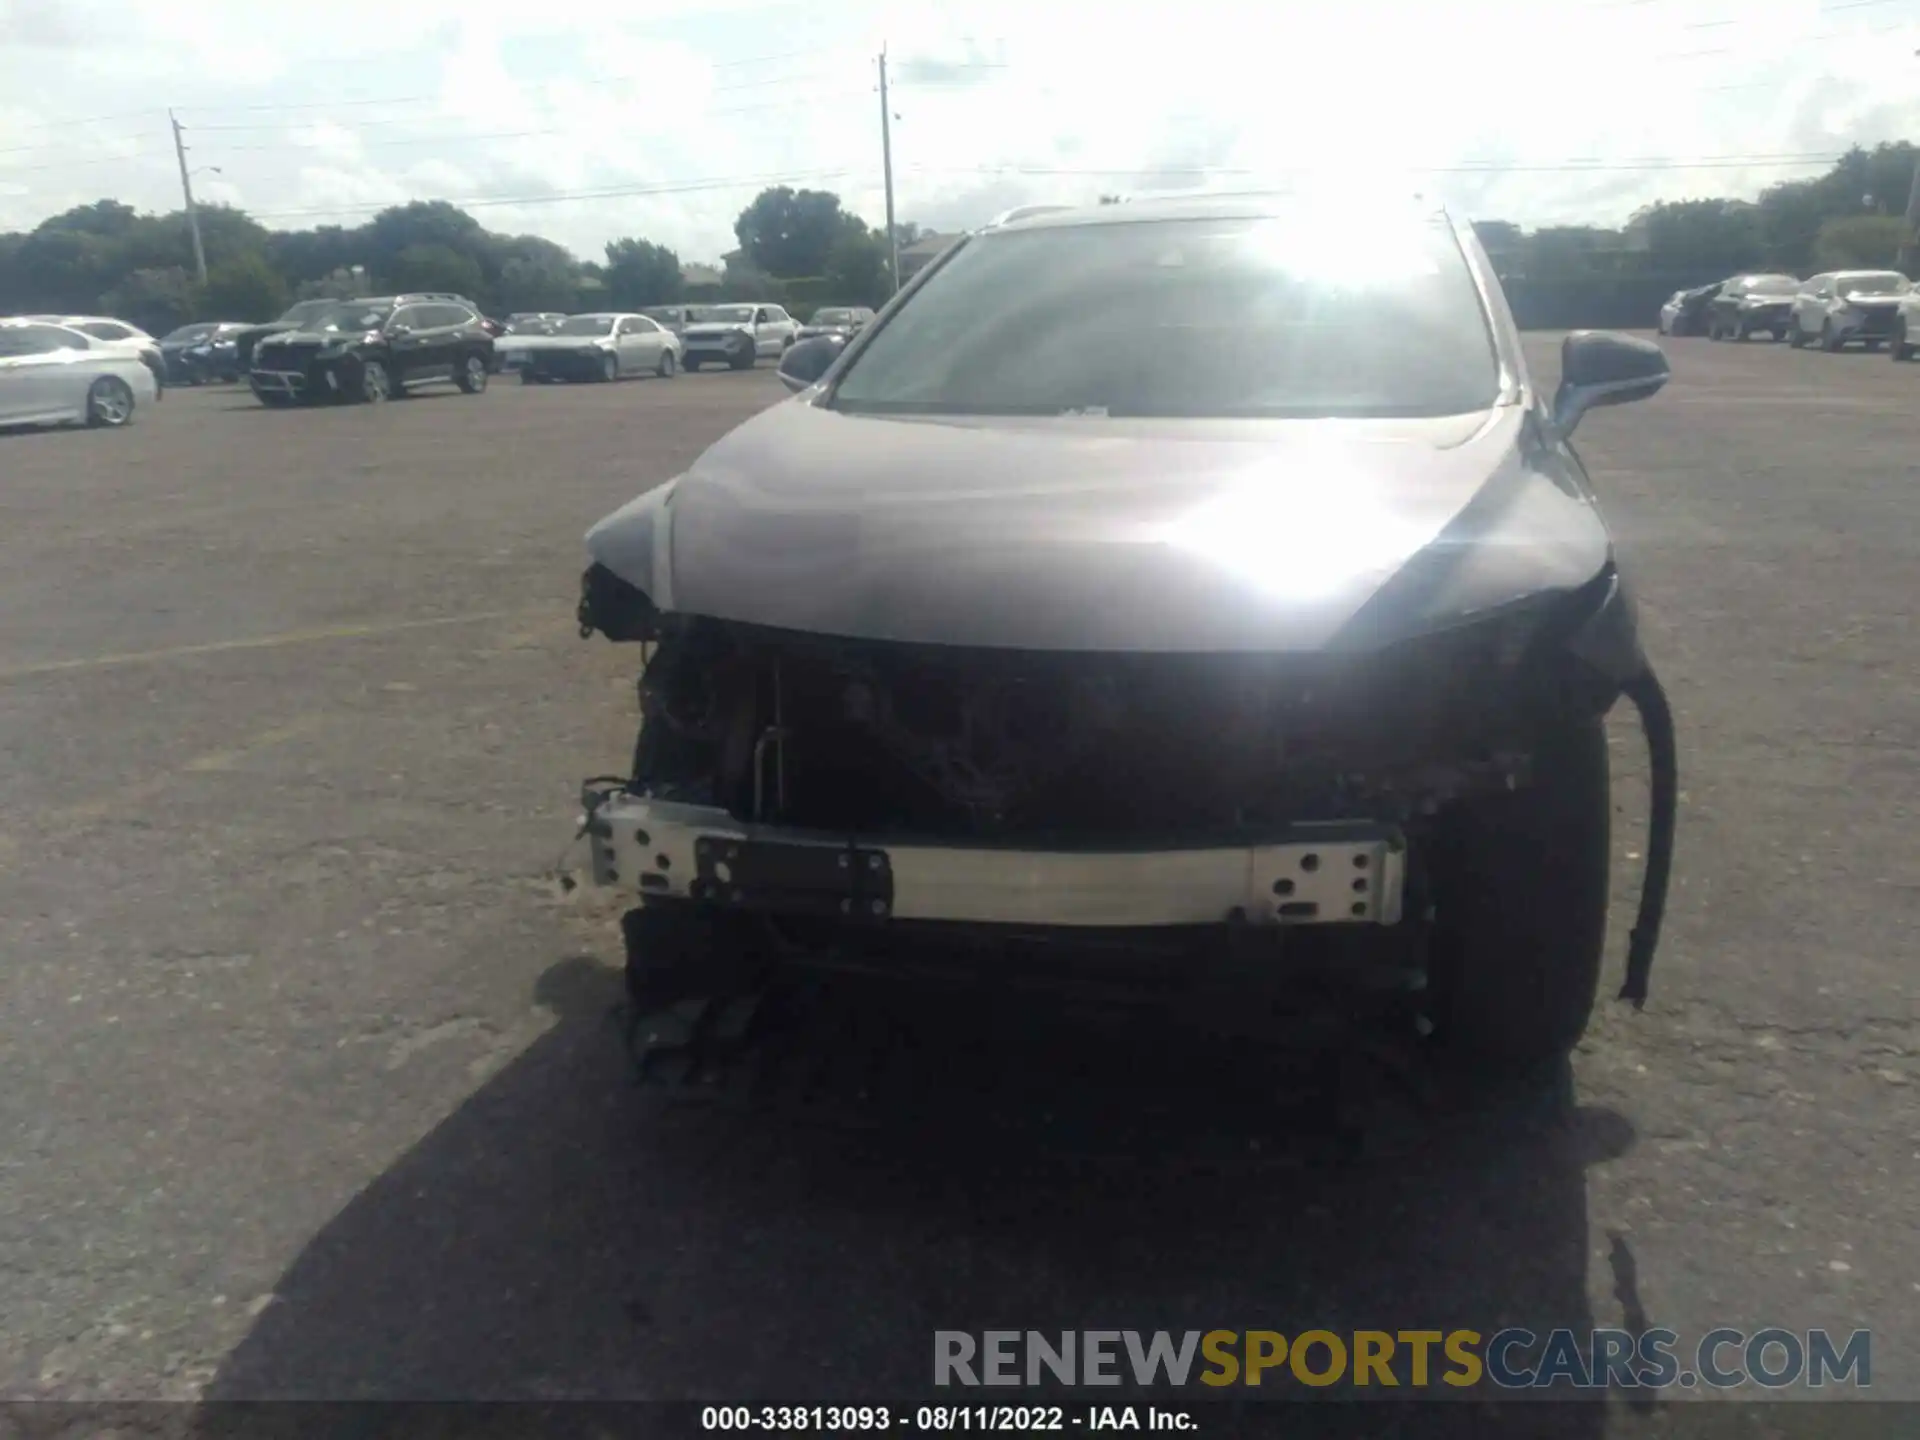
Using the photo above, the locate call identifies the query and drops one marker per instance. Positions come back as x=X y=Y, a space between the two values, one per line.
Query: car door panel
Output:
x=633 y=346
x=17 y=381
x=446 y=325
x=46 y=384
x=649 y=339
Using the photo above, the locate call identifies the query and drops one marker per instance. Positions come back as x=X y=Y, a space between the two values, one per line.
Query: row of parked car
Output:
x=379 y=349
x=1833 y=310
x=96 y=370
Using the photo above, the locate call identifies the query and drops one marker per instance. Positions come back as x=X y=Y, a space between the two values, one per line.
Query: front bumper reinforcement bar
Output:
x=1320 y=874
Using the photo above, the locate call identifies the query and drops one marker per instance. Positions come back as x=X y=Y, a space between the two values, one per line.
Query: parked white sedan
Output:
x=605 y=346
x=50 y=375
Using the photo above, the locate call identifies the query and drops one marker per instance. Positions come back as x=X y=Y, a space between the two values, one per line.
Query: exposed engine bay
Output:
x=1006 y=746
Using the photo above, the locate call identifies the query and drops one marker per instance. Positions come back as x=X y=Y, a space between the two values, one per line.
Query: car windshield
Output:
x=833 y=317
x=1269 y=317
x=1773 y=285
x=349 y=315
x=662 y=312
x=186 y=333
x=1878 y=283
x=727 y=314
x=530 y=325
x=584 y=325
x=306 y=310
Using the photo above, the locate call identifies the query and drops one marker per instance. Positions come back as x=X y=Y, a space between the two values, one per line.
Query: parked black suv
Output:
x=374 y=350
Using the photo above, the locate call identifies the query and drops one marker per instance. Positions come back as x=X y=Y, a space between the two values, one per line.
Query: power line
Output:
x=457 y=138
x=734 y=182
x=144 y=158
x=153 y=113
x=759 y=84
x=1489 y=167
x=596 y=80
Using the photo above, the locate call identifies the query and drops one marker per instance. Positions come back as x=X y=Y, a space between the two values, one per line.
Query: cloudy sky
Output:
x=661 y=118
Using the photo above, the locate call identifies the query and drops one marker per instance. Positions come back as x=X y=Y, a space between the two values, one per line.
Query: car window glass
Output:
x=103 y=331
x=643 y=326
x=34 y=340
x=1289 y=316
x=413 y=317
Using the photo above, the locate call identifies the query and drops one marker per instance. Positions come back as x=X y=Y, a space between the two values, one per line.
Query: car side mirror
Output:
x=807 y=360
x=1598 y=367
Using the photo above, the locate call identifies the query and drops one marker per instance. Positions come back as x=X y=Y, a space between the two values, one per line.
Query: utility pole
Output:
x=186 y=189
x=1911 y=224
x=886 y=159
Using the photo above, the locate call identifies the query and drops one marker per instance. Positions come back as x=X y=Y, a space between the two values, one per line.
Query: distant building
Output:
x=694 y=275
x=923 y=252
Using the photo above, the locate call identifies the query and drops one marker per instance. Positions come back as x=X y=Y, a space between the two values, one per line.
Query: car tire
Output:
x=1796 y=337
x=109 y=403
x=1870 y=344
x=1829 y=342
x=609 y=369
x=472 y=378
x=678 y=952
x=1898 y=350
x=690 y=363
x=1520 y=910
x=666 y=366
x=742 y=362
x=376 y=385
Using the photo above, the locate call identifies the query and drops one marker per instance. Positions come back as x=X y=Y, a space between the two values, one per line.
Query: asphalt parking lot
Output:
x=306 y=1074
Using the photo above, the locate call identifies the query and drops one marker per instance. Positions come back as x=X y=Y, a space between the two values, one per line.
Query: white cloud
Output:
x=667 y=117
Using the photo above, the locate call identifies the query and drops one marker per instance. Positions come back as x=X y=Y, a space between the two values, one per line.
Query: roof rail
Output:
x=1021 y=212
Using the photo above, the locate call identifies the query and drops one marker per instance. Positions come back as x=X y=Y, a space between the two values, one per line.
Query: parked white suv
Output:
x=736 y=335
x=1842 y=306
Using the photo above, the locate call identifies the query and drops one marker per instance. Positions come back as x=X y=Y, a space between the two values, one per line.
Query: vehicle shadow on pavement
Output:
x=571 y=1233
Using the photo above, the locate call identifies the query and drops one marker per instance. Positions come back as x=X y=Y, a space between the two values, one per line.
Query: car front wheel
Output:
x=375 y=385
x=1520 y=910
x=473 y=374
x=109 y=402
x=1898 y=349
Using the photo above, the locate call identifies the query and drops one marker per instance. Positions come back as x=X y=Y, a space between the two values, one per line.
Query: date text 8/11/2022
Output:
x=942 y=1419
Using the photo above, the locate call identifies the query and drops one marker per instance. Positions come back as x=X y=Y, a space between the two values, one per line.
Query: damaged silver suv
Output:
x=1151 y=593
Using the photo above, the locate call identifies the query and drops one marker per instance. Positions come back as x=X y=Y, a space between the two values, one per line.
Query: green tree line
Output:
x=107 y=258
x=803 y=247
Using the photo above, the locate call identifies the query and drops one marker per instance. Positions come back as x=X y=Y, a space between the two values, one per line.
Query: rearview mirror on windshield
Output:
x=807 y=360
x=1601 y=368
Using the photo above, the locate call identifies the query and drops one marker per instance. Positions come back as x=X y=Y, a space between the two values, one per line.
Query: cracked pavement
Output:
x=306 y=1077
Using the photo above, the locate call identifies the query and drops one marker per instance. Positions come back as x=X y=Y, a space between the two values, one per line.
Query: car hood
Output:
x=1870 y=302
x=1110 y=534
x=741 y=328
x=311 y=337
